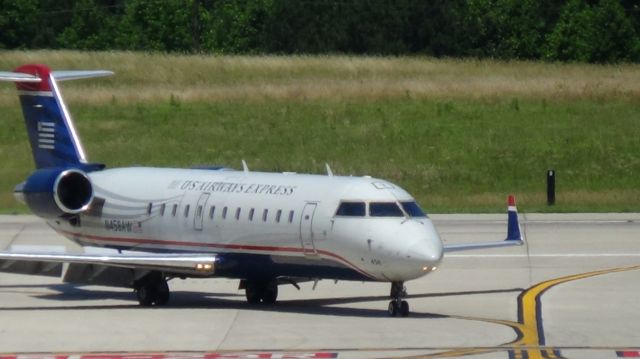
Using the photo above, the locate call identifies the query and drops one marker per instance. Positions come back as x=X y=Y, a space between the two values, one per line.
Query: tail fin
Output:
x=54 y=140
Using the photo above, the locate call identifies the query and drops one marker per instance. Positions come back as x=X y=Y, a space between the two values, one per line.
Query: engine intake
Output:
x=56 y=192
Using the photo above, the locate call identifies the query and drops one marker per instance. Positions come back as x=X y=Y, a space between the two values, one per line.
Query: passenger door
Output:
x=200 y=209
x=306 y=229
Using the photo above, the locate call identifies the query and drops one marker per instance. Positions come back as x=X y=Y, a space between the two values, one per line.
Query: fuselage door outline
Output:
x=306 y=229
x=200 y=210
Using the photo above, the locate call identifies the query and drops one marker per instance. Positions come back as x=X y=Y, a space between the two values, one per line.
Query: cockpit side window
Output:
x=385 y=209
x=412 y=209
x=351 y=209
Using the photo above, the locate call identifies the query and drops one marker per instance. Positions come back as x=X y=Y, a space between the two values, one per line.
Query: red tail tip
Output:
x=41 y=71
x=512 y=200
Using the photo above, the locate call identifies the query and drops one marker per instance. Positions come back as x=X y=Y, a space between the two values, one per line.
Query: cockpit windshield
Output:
x=351 y=209
x=413 y=209
x=379 y=209
x=385 y=209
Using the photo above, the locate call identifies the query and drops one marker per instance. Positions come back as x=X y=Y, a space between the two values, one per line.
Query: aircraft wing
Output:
x=514 y=236
x=50 y=263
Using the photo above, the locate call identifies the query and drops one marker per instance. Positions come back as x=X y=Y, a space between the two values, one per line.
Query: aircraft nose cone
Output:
x=429 y=252
x=426 y=253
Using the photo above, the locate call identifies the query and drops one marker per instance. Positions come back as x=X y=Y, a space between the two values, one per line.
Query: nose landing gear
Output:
x=397 y=306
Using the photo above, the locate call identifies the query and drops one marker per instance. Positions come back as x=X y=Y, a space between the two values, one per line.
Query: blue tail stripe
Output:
x=513 y=227
x=51 y=140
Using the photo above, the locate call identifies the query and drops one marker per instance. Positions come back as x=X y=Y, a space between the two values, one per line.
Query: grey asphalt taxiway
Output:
x=573 y=291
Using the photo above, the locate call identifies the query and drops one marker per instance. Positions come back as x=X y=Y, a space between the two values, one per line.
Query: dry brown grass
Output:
x=155 y=77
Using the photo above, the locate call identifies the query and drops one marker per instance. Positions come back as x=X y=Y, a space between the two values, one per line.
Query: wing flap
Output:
x=102 y=275
x=32 y=268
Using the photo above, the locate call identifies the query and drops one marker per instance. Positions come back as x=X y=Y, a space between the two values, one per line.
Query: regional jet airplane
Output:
x=141 y=227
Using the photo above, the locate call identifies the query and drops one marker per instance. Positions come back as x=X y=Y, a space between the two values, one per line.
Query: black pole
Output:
x=551 y=187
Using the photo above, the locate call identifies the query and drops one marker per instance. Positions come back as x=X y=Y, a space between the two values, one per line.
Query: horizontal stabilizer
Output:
x=58 y=75
x=18 y=77
x=76 y=75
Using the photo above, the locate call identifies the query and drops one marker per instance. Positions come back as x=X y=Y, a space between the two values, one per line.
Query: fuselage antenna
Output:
x=329 y=171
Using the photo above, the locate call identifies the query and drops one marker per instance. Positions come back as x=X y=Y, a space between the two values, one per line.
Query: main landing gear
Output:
x=261 y=291
x=152 y=289
x=397 y=306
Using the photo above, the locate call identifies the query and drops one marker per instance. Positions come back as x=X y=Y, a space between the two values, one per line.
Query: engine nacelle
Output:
x=56 y=192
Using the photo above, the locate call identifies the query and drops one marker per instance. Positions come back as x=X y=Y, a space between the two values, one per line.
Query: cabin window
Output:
x=162 y=208
x=199 y=212
x=264 y=215
x=412 y=209
x=212 y=211
x=224 y=213
x=278 y=215
x=186 y=211
x=290 y=216
x=174 y=210
x=149 y=208
x=351 y=209
x=251 y=212
x=238 y=214
x=385 y=209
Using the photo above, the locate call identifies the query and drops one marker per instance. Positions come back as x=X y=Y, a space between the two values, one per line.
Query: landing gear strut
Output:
x=397 y=306
x=152 y=289
x=257 y=291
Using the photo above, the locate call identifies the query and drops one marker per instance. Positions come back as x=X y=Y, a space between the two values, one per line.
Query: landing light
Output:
x=427 y=269
x=204 y=266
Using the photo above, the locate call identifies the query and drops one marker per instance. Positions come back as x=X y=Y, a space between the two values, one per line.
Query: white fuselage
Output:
x=260 y=225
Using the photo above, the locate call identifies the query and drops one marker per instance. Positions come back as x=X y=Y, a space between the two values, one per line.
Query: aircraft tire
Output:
x=145 y=297
x=270 y=292
x=153 y=290
x=393 y=308
x=162 y=293
x=265 y=292
x=404 y=309
x=252 y=292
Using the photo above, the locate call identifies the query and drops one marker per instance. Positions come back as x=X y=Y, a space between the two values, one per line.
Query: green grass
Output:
x=454 y=152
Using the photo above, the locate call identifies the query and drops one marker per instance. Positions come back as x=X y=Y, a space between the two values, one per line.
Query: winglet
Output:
x=514 y=236
x=513 y=226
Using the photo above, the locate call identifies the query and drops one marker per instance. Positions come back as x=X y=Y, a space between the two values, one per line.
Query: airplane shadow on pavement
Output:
x=199 y=300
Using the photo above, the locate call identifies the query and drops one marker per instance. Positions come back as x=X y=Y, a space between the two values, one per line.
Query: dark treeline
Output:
x=602 y=31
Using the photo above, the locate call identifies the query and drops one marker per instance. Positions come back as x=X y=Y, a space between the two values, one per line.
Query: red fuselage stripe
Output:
x=243 y=247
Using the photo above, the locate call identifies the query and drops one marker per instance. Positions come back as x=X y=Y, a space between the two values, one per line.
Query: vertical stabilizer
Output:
x=52 y=135
x=54 y=140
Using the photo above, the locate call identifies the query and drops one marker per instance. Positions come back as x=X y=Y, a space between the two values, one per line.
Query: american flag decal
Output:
x=46 y=135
